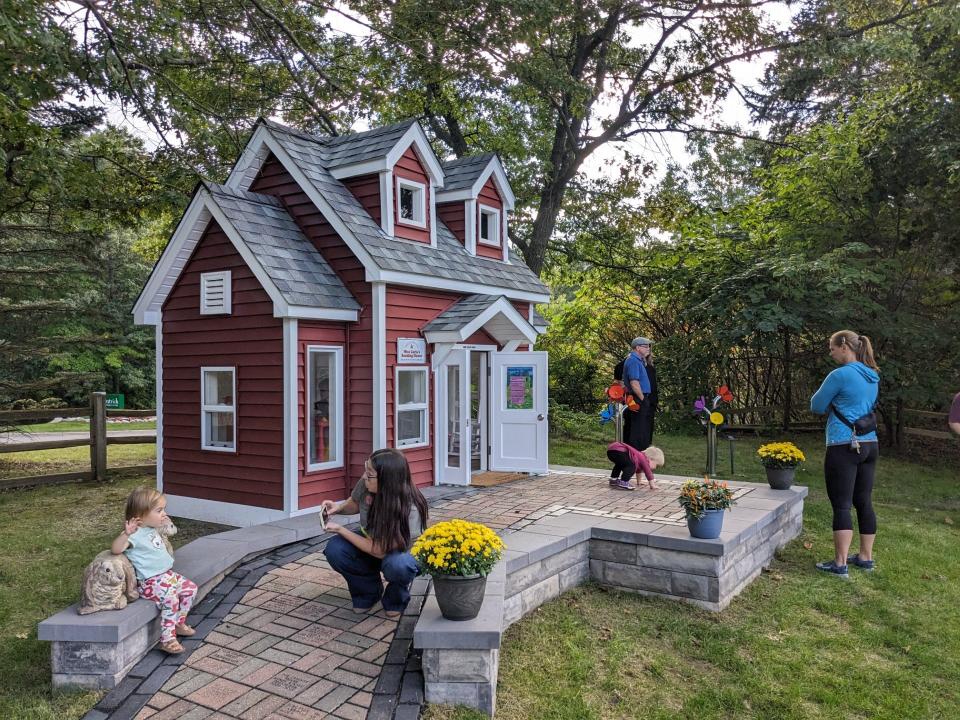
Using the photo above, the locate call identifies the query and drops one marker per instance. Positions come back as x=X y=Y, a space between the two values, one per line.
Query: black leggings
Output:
x=849 y=476
x=623 y=467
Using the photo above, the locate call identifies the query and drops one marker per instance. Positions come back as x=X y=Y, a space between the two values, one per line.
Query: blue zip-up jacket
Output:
x=853 y=389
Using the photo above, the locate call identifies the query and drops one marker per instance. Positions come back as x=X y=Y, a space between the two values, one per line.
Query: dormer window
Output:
x=411 y=202
x=489 y=226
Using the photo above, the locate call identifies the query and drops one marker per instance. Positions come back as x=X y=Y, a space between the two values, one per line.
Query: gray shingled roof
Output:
x=339 y=150
x=461 y=313
x=448 y=260
x=463 y=172
x=539 y=321
x=290 y=260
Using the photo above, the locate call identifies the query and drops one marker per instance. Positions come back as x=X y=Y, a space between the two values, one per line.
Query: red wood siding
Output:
x=273 y=179
x=249 y=339
x=366 y=188
x=319 y=485
x=409 y=167
x=452 y=215
x=491 y=197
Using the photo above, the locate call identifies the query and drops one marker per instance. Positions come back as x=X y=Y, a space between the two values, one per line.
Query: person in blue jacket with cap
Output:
x=849 y=394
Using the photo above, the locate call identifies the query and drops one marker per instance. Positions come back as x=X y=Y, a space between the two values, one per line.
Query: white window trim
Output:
x=337 y=382
x=425 y=406
x=205 y=408
x=493 y=224
x=420 y=211
x=225 y=276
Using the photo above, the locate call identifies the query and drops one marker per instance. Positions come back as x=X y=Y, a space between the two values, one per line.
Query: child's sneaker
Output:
x=185 y=630
x=625 y=485
x=831 y=567
x=865 y=565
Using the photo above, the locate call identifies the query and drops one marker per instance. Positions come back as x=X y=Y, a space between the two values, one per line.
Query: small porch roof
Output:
x=492 y=313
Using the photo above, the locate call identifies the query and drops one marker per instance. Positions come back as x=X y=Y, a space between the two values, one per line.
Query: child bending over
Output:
x=626 y=460
x=143 y=545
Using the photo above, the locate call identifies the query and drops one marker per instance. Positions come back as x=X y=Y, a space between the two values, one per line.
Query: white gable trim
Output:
x=470 y=226
x=495 y=169
x=500 y=307
x=395 y=277
x=175 y=256
x=251 y=160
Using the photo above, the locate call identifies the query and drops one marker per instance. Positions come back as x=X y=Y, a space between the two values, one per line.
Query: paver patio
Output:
x=279 y=639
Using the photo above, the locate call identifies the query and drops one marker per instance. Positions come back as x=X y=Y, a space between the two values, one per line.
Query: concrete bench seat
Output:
x=97 y=650
x=557 y=552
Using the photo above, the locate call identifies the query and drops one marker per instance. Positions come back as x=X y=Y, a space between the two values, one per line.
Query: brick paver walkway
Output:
x=278 y=638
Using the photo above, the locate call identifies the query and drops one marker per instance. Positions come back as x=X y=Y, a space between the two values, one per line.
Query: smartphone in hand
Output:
x=323 y=519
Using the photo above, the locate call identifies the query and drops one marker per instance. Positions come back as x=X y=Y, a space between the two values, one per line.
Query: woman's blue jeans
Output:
x=362 y=572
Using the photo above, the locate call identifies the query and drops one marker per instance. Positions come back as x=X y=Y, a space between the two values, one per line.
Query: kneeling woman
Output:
x=393 y=513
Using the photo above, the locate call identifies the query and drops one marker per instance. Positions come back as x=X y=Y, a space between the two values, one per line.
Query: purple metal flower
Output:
x=700 y=404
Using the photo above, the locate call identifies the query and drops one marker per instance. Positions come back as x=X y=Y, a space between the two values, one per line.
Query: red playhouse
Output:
x=338 y=295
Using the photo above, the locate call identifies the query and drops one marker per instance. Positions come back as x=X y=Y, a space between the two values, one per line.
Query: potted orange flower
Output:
x=704 y=502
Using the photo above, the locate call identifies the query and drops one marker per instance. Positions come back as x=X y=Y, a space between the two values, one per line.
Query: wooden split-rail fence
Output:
x=98 y=441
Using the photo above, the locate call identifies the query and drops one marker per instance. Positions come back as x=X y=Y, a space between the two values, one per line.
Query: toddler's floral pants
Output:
x=173 y=594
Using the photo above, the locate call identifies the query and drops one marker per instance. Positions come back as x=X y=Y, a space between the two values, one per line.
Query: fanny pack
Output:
x=862 y=425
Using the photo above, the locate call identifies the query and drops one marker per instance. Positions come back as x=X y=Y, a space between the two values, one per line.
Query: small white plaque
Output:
x=411 y=351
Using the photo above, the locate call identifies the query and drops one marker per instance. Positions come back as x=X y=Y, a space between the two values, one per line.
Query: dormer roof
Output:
x=448 y=266
x=464 y=178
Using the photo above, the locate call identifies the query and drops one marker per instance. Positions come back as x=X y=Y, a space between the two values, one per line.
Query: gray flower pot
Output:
x=459 y=597
x=780 y=478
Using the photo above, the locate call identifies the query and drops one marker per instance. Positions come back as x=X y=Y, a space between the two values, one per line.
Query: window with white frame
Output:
x=218 y=424
x=324 y=407
x=215 y=293
x=489 y=226
x=411 y=401
x=411 y=202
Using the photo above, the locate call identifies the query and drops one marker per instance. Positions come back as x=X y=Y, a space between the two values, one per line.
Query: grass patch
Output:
x=794 y=645
x=46 y=462
x=48 y=535
x=81 y=426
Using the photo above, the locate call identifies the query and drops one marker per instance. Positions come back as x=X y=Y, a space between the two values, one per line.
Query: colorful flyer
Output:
x=520 y=388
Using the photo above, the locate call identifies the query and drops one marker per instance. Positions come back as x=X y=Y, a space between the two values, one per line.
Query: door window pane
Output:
x=518 y=391
x=453 y=416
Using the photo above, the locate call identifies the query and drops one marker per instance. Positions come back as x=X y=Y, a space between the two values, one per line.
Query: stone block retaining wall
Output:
x=556 y=553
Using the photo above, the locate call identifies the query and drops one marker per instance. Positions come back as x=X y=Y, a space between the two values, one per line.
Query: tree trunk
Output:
x=787 y=380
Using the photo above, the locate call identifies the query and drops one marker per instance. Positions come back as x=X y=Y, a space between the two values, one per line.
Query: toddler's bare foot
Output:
x=653 y=485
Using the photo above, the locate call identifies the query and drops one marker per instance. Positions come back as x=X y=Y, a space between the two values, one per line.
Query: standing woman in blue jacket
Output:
x=851 y=461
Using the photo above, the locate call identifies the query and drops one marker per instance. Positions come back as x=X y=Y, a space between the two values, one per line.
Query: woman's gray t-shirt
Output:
x=363 y=498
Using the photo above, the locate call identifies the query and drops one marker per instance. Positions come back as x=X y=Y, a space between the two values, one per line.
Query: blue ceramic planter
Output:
x=708 y=527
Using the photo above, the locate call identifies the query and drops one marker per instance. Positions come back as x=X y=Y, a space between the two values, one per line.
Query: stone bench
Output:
x=96 y=651
x=557 y=552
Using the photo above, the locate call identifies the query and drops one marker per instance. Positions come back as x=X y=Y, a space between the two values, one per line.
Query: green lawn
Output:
x=46 y=462
x=47 y=536
x=795 y=644
x=80 y=425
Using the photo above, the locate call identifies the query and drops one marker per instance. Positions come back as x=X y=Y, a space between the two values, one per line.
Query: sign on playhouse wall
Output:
x=411 y=351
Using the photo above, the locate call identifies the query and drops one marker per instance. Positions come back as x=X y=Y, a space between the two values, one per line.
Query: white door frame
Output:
x=441 y=357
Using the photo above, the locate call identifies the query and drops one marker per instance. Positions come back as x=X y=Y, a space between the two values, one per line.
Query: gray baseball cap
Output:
x=640 y=341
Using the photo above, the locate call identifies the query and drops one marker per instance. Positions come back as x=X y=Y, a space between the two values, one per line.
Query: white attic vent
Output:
x=215 y=293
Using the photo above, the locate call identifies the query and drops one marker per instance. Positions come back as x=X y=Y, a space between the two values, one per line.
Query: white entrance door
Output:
x=518 y=418
x=453 y=418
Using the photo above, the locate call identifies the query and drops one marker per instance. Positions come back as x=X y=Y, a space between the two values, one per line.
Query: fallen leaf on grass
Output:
x=807 y=545
x=948 y=521
x=23 y=636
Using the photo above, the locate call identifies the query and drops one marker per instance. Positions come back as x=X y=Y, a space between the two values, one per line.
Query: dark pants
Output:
x=623 y=467
x=362 y=572
x=849 y=477
x=638 y=429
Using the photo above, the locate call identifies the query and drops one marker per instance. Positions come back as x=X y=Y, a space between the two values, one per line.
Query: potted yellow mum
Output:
x=781 y=460
x=459 y=555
